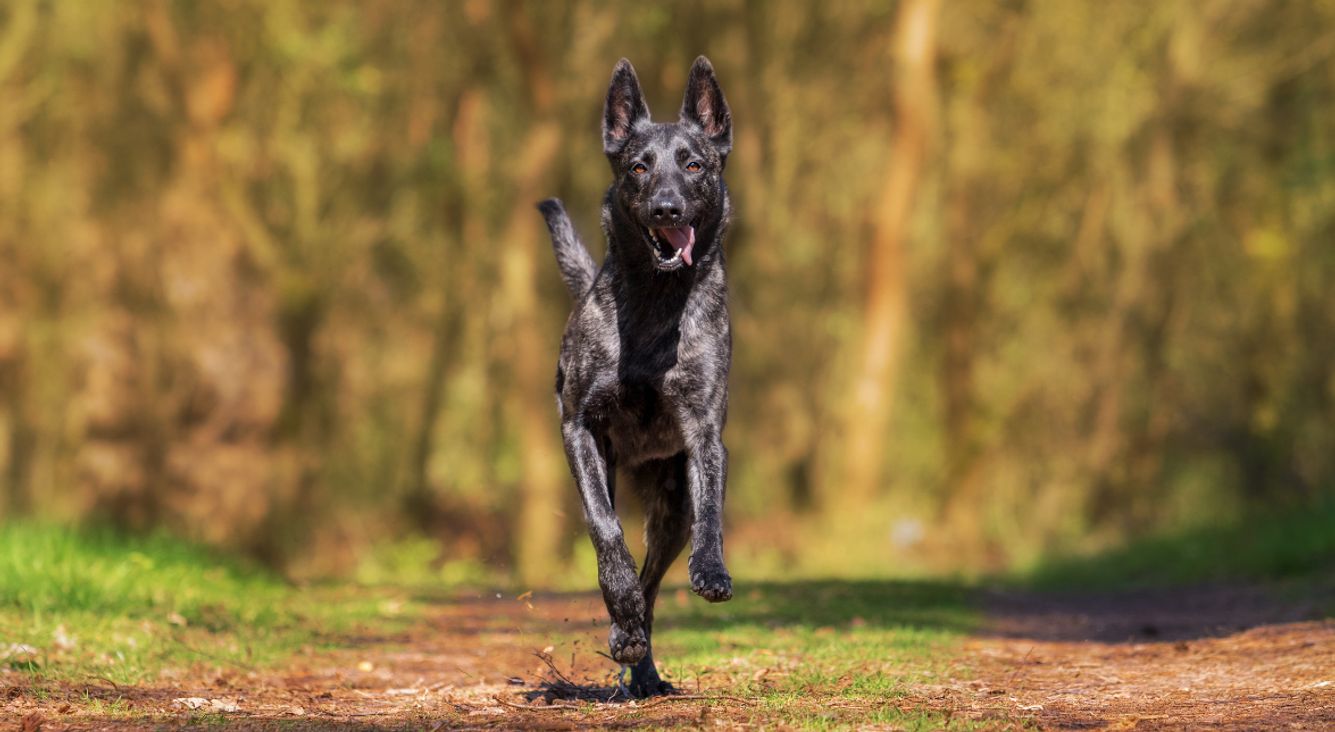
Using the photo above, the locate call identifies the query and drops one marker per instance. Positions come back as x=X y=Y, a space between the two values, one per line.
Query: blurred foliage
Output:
x=1298 y=545
x=270 y=275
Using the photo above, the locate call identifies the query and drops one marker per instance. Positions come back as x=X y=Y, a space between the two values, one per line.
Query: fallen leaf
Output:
x=62 y=639
x=213 y=705
x=18 y=653
x=296 y=711
x=366 y=667
x=176 y=619
x=33 y=722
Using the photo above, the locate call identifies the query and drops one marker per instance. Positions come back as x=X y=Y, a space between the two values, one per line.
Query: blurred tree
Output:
x=538 y=528
x=886 y=288
x=270 y=274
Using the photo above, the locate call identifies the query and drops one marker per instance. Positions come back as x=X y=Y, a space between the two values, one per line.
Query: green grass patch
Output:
x=818 y=654
x=1295 y=543
x=81 y=604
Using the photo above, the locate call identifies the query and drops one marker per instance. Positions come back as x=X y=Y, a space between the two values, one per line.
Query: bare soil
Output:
x=1225 y=657
x=1219 y=657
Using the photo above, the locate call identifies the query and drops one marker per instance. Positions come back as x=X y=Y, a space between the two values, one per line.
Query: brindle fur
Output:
x=642 y=381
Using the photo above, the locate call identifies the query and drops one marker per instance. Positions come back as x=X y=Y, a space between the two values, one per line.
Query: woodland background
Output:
x=1009 y=279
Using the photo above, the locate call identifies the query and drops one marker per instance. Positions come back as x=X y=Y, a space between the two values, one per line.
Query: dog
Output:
x=642 y=380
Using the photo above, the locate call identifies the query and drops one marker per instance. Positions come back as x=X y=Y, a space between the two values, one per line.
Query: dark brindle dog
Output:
x=642 y=381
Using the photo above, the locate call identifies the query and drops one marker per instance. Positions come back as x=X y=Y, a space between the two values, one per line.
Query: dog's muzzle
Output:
x=673 y=245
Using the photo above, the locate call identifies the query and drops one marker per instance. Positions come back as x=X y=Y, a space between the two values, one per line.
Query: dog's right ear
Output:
x=625 y=108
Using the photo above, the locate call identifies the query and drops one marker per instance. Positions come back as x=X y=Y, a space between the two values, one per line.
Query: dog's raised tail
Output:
x=572 y=258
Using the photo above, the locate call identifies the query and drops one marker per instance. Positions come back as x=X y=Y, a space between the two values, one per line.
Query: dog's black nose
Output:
x=666 y=212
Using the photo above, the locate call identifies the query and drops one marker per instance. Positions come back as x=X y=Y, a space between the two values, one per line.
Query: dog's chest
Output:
x=669 y=370
x=642 y=425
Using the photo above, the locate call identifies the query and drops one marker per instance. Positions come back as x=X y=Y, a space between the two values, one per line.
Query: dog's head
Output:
x=668 y=178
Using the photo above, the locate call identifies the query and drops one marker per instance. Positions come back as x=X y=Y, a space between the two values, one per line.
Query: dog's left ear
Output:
x=705 y=107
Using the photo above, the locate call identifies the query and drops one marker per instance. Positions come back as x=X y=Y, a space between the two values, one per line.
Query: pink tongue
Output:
x=682 y=239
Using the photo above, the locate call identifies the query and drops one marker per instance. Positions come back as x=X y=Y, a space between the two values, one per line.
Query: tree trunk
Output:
x=538 y=527
x=419 y=499
x=965 y=289
x=886 y=311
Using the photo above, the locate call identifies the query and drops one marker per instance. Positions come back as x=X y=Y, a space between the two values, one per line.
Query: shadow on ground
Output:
x=814 y=603
x=1107 y=616
x=1162 y=614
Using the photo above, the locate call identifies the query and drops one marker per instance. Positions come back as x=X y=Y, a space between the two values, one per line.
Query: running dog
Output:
x=642 y=380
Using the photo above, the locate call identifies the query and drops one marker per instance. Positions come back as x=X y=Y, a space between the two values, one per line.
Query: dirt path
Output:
x=1213 y=658
x=1206 y=658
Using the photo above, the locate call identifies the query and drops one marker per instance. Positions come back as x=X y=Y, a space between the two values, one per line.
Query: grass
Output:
x=80 y=605
x=76 y=605
x=818 y=654
x=1292 y=544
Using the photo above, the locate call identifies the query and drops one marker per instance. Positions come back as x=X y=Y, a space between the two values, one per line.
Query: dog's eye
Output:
x=693 y=166
x=639 y=169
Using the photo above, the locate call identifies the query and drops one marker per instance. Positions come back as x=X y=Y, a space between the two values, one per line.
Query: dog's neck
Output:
x=650 y=302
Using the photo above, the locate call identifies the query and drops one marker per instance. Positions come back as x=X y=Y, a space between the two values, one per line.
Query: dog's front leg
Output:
x=616 y=567
x=707 y=473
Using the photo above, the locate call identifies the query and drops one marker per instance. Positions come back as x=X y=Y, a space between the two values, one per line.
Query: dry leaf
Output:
x=62 y=639
x=18 y=653
x=212 y=705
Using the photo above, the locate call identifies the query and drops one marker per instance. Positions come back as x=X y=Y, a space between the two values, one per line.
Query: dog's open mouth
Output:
x=673 y=245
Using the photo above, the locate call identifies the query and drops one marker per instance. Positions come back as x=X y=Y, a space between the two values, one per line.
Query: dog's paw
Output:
x=627 y=646
x=711 y=582
x=643 y=688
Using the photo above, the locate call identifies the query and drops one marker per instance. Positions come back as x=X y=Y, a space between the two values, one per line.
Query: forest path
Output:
x=1211 y=657
x=1224 y=657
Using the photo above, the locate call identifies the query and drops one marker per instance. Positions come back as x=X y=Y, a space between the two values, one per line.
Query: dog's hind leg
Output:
x=616 y=567
x=667 y=526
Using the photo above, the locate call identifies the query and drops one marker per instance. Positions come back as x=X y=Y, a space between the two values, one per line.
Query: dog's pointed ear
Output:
x=625 y=108
x=705 y=107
